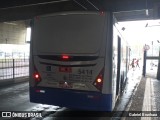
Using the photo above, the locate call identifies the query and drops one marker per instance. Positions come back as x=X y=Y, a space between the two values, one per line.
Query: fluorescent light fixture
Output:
x=28 y=34
x=10 y=23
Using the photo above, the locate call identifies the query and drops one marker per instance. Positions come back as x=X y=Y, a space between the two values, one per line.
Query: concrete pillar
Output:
x=158 y=71
x=144 y=63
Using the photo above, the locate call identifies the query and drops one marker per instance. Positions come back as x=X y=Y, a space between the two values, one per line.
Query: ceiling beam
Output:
x=10 y=4
x=27 y=9
x=124 y=5
x=28 y=12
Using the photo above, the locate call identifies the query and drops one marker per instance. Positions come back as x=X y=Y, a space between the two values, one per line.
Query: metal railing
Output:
x=12 y=68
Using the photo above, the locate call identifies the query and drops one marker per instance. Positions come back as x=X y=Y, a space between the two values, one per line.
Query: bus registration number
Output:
x=85 y=72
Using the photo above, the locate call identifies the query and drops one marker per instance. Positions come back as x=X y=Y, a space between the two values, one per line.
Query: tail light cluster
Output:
x=65 y=57
x=98 y=83
x=36 y=75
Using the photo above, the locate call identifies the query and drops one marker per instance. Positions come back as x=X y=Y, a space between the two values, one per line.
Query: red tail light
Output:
x=37 y=77
x=65 y=57
x=102 y=13
x=99 y=80
x=98 y=83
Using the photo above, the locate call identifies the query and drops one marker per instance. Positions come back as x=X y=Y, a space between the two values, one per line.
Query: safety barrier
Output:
x=13 y=68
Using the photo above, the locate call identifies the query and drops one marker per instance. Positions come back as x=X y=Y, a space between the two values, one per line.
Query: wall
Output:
x=12 y=32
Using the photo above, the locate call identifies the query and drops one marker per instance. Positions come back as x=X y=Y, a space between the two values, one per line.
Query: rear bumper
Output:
x=93 y=101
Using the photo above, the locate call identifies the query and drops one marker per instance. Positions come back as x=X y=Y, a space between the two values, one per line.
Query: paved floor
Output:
x=146 y=100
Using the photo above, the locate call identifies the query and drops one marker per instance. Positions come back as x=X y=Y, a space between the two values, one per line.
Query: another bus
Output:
x=78 y=60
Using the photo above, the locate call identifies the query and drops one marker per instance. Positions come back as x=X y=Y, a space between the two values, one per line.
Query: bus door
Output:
x=118 y=65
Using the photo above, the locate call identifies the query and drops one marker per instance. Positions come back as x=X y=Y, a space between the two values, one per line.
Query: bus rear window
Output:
x=73 y=33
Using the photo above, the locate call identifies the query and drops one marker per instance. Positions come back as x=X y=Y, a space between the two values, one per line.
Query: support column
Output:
x=158 y=71
x=144 y=63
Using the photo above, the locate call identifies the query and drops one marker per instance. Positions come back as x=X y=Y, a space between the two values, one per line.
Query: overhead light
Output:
x=10 y=23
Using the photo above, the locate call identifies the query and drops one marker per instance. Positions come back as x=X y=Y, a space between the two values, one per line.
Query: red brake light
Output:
x=65 y=57
x=98 y=83
x=37 y=90
x=102 y=13
x=37 y=77
x=99 y=80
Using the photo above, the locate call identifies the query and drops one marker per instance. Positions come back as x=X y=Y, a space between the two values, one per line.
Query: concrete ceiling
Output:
x=124 y=9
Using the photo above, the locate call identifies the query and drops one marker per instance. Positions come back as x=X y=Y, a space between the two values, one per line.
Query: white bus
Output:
x=78 y=60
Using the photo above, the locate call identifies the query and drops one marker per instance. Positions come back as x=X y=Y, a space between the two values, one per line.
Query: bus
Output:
x=78 y=60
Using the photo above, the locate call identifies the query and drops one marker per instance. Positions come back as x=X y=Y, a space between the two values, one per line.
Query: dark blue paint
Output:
x=72 y=99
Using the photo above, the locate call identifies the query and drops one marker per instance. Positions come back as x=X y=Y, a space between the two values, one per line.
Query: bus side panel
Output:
x=123 y=58
x=120 y=60
x=31 y=70
x=108 y=82
x=81 y=100
x=115 y=58
x=107 y=88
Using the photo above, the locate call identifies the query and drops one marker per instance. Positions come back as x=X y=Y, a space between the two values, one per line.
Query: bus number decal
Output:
x=85 y=72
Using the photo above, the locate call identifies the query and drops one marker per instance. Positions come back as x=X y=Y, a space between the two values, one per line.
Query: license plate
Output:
x=65 y=69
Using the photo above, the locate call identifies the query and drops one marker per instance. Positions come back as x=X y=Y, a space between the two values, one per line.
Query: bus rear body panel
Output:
x=68 y=64
x=78 y=75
